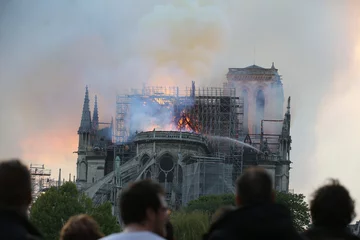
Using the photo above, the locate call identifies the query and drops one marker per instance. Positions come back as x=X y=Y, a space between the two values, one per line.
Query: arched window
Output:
x=244 y=94
x=260 y=109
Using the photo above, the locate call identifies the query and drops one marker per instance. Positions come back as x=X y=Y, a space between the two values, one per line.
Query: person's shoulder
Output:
x=111 y=237
x=133 y=236
x=153 y=236
x=114 y=236
x=220 y=234
x=353 y=237
x=315 y=233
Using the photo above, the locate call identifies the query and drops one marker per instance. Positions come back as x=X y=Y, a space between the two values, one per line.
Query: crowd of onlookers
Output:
x=144 y=212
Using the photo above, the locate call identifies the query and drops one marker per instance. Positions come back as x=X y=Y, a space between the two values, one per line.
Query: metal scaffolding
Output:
x=165 y=97
x=122 y=131
x=206 y=176
x=40 y=179
x=220 y=113
x=214 y=111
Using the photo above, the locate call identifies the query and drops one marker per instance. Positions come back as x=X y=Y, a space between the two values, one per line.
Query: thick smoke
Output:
x=180 y=42
x=49 y=50
x=147 y=115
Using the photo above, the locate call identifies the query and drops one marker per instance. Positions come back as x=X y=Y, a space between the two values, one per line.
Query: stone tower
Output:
x=264 y=124
x=262 y=91
x=91 y=158
x=85 y=134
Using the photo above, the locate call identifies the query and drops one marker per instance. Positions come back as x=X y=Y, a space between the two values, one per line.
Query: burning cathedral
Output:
x=194 y=143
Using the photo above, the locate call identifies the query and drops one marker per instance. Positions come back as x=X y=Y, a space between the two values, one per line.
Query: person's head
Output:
x=254 y=186
x=143 y=203
x=332 y=206
x=221 y=212
x=169 y=231
x=81 y=227
x=15 y=185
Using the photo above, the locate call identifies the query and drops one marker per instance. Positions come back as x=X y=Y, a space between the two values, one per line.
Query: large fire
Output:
x=183 y=123
x=186 y=124
x=161 y=114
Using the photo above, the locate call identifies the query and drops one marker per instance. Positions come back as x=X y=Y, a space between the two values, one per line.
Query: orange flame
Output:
x=185 y=123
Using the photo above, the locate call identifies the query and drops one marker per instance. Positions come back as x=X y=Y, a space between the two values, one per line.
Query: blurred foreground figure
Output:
x=143 y=210
x=169 y=228
x=221 y=212
x=332 y=210
x=15 y=199
x=81 y=227
x=257 y=216
x=169 y=231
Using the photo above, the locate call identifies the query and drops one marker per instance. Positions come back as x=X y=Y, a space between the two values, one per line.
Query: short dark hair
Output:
x=81 y=227
x=254 y=186
x=15 y=184
x=332 y=206
x=138 y=198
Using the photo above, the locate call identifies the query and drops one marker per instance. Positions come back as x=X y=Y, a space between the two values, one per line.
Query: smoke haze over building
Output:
x=49 y=51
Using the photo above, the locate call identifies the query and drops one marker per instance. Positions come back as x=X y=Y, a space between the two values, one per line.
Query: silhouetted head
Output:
x=332 y=206
x=143 y=203
x=254 y=186
x=15 y=185
x=81 y=227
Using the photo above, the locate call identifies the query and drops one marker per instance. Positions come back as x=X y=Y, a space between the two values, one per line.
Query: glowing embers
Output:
x=185 y=123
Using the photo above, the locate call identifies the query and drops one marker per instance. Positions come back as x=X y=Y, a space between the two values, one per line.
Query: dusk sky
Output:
x=49 y=51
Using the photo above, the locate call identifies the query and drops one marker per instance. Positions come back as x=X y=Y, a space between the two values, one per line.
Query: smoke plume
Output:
x=147 y=115
x=180 y=41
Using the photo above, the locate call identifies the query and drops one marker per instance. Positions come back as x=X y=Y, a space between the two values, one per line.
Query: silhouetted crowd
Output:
x=144 y=212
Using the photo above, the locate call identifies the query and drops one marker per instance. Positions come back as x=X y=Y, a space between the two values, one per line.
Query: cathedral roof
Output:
x=254 y=70
x=254 y=67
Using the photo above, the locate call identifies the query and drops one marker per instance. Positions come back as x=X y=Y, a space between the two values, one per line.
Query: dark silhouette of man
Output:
x=332 y=210
x=257 y=216
x=15 y=199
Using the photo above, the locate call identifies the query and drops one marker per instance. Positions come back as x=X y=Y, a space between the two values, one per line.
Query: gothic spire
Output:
x=85 y=124
x=288 y=105
x=288 y=115
x=287 y=119
x=95 y=119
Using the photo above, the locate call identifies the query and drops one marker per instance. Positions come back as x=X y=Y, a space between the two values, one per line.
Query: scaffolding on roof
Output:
x=217 y=110
x=166 y=97
x=220 y=113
